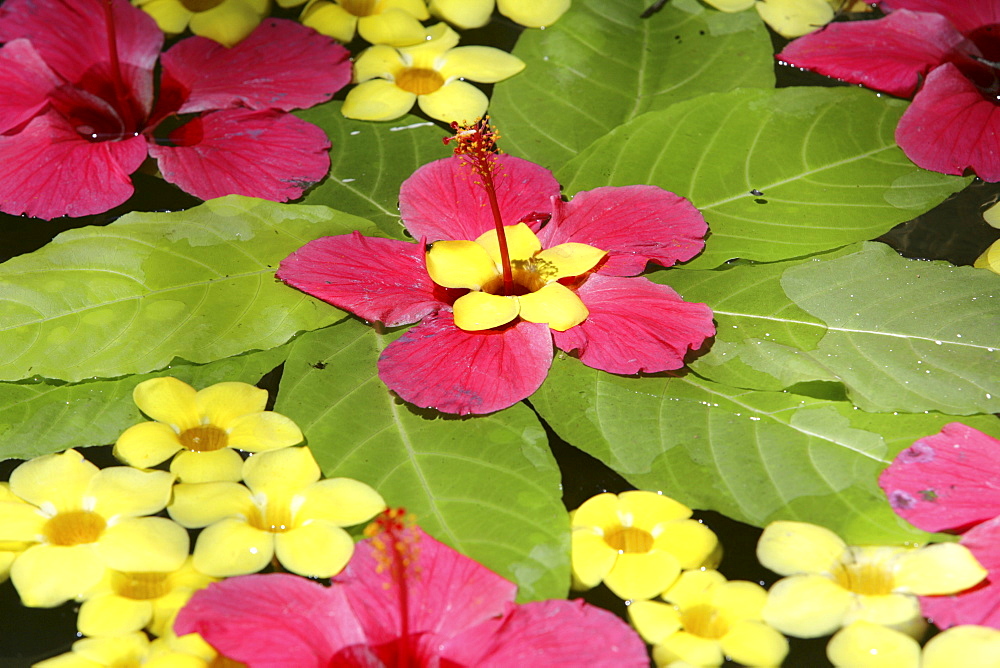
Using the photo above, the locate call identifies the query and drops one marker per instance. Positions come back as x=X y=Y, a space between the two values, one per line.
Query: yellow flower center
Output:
x=204 y=438
x=74 y=528
x=140 y=586
x=629 y=540
x=868 y=578
x=704 y=620
x=274 y=518
x=197 y=6
x=359 y=7
x=419 y=80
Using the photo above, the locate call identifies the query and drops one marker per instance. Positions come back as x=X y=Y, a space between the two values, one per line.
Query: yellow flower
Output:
x=868 y=645
x=204 y=426
x=966 y=645
x=392 y=22
x=10 y=549
x=637 y=543
x=285 y=511
x=791 y=18
x=709 y=619
x=832 y=584
x=225 y=21
x=132 y=649
x=990 y=259
x=431 y=74
x=81 y=521
x=476 y=13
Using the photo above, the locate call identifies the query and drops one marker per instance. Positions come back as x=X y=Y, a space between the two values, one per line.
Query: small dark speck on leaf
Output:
x=319 y=365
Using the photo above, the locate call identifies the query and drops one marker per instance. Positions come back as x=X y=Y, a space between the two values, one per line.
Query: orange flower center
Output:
x=419 y=80
x=204 y=438
x=197 y=6
x=274 y=518
x=140 y=586
x=868 y=578
x=705 y=621
x=629 y=540
x=74 y=528
x=359 y=7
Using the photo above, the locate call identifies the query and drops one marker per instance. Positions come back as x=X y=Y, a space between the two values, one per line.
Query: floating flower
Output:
x=132 y=649
x=863 y=644
x=990 y=259
x=224 y=21
x=967 y=645
x=637 y=543
x=404 y=599
x=947 y=482
x=793 y=18
x=431 y=73
x=287 y=513
x=832 y=584
x=391 y=22
x=706 y=620
x=78 y=120
x=9 y=549
x=476 y=13
x=81 y=521
x=631 y=323
x=942 y=55
x=204 y=427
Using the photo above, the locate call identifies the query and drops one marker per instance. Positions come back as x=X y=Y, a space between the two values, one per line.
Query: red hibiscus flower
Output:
x=404 y=599
x=493 y=298
x=945 y=55
x=77 y=111
x=948 y=482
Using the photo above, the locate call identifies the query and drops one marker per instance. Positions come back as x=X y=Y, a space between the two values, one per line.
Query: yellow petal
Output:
x=111 y=614
x=6 y=561
x=522 y=244
x=592 y=558
x=222 y=403
x=170 y=15
x=47 y=575
x=967 y=645
x=377 y=100
x=227 y=23
x=943 y=568
x=415 y=8
x=798 y=547
x=340 y=501
x=740 y=599
x=731 y=6
x=645 y=510
x=868 y=645
x=394 y=27
x=330 y=19
x=168 y=400
x=263 y=431
x=533 y=13
x=899 y=611
x=689 y=648
x=642 y=576
x=554 y=305
x=794 y=18
x=990 y=259
x=201 y=504
x=126 y=650
x=231 y=547
x=992 y=215
x=565 y=260
x=598 y=511
x=147 y=444
x=460 y=264
x=377 y=62
x=20 y=522
x=480 y=310
x=754 y=643
x=60 y=480
x=690 y=541
x=144 y=544
x=440 y=38
x=318 y=549
x=655 y=621
x=209 y=466
x=484 y=64
x=122 y=490
x=807 y=606
x=287 y=471
x=463 y=13
x=694 y=587
x=454 y=101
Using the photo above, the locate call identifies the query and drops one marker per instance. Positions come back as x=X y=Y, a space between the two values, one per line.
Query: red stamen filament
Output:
x=395 y=552
x=121 y=94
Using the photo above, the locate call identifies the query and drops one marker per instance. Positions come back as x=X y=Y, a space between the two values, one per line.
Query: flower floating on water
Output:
x=78 y=114
x=131 y=649
x=404 y=599
x=868 y=645
x=82 y=521
x=391 y=22
x=793 y=18
x=206 y=427
x=431 y=73
x=630 y=323
x=990 y=259
x=224 y=21
x=941 y=54
x=947 y=482
x=706 y=619
x=476 y=13
x=284 y=511
x=637 y=543
x=831 y=584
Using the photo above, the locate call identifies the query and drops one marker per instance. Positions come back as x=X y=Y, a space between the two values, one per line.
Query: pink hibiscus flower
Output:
x=492 y=298
x=947 y=53
x=404 y=599
x=77 y=114
x=948 y=482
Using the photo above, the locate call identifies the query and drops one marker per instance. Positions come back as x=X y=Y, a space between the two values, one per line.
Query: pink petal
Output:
x=442 y=201
x=980 y=604
x=273 y=620
x=966 y=16
x=951 y=127
x=549 y=633
x=890 y=54
x=634 y=224
x=267 y=154
x=946 y=481
x=635 y=325
x=437 y=365
x=280 y=65
x=49 y=170
x=24 y=85
x=382 y=280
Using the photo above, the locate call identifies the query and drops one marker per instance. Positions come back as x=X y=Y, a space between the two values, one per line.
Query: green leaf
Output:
x=41 y=418
x=824 y=159
x=602 y=65
x=135 y=295
x=369 y=161
x=754 y=456
x=488 y=486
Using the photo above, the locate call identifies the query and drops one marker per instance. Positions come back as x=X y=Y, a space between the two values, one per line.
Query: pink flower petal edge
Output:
x=966 y=16
x=25 y=85
x=437 y=365
x=946 y=481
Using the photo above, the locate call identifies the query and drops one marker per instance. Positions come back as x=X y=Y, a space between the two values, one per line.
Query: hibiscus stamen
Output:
x=121 y=94
x=476 y=145
x=394 y=541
